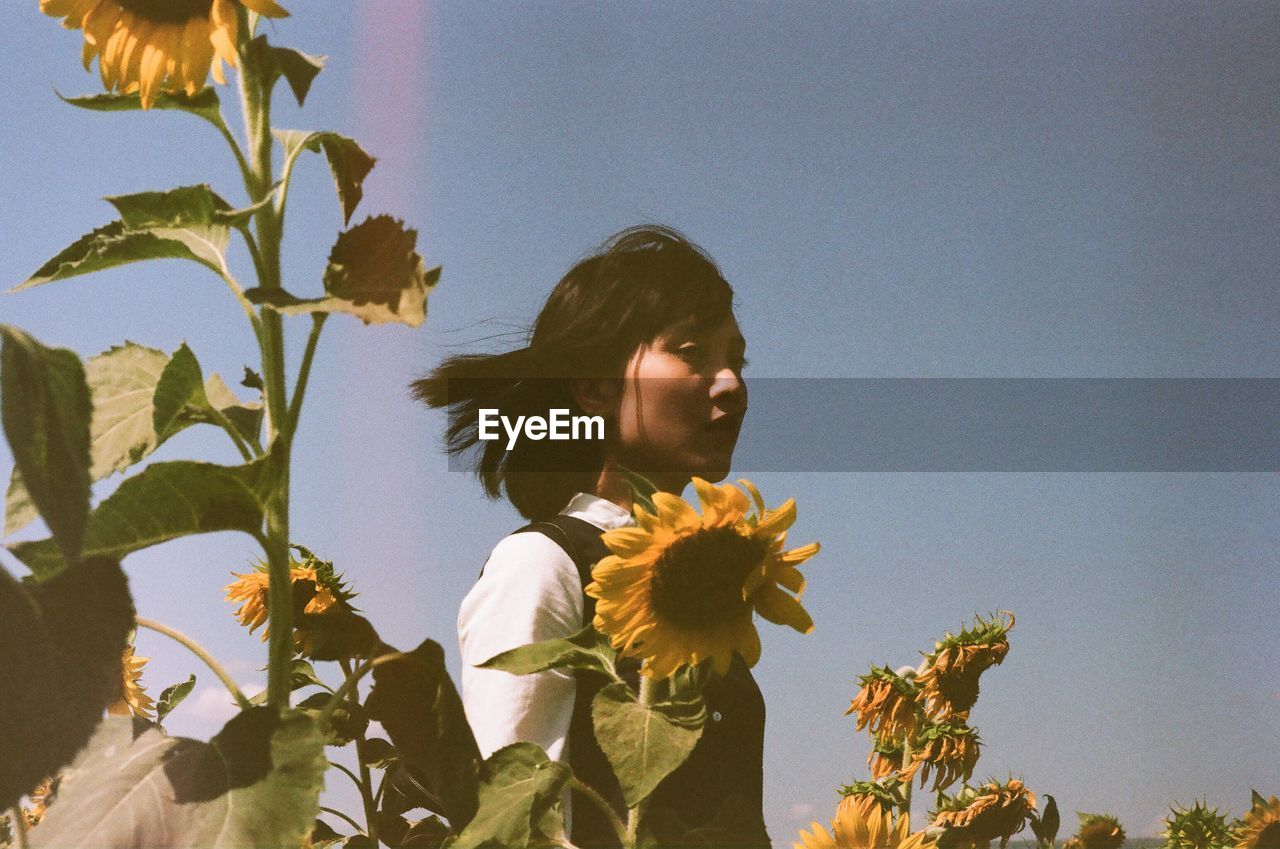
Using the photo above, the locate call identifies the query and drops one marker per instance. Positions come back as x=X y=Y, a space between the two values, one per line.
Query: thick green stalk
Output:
x=256 y=102
x=648 y=695
x=906 y=762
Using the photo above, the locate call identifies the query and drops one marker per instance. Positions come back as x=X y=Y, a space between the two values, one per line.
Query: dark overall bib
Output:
x=721 y=783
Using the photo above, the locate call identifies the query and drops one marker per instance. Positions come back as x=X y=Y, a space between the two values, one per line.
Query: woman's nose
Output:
x=729 y=390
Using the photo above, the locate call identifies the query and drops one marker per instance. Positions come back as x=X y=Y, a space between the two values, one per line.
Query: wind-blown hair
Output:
x=636 y=286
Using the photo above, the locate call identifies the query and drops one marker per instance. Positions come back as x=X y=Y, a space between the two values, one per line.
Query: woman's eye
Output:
x=689 y=351
x=743 y=362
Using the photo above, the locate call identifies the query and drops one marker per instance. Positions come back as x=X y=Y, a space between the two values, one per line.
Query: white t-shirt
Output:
x=529 y=591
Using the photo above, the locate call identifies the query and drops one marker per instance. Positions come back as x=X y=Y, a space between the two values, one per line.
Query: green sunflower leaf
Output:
x=114 y=245
x=122 y=382
x=415 y=700
x=45 y=407
x=347 y=161
x=163 y=502
x=256 y=783
x=644 y=743
x=172 y=696
x=61 y=643
x=374 y=274
x=299 y=69
x=587 y=649
x=519 y=787
x=203 y=103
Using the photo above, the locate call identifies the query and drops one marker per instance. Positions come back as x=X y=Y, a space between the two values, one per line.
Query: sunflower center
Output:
x=1269 y=837
x=697 y=582
x=168 y=11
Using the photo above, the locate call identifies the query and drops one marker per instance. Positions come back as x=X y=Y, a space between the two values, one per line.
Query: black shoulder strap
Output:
x=581 y=541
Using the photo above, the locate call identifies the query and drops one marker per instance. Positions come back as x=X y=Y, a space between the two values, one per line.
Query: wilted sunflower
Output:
x=977 y=815
x=886 y=703
x=949 y=679
x=1260 y=828
x=680 y=589
x=149 y=46
x=949 y=747
x=133 y=697
x=1100 y=831
x=1197 y=827
x=885 y=757
x=861 y=823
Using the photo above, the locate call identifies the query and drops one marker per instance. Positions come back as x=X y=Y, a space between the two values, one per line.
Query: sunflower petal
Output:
x=781 y=609
x=266 y=8
x=777 y=521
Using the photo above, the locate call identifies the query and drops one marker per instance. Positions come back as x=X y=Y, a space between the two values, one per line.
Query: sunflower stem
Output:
x=605 y=808
x=255 y=97
x=200 y=652
x=366 y=780
x=906 y=762
x=648 y=695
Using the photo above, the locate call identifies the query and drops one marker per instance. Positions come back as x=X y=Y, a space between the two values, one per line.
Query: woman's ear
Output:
x=596 y=396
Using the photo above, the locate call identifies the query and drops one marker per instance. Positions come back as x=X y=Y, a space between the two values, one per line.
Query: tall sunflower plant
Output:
x=675 y=605
x=66 y=625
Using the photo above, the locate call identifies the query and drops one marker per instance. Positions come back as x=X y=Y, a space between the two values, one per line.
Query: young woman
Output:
x=642 y=334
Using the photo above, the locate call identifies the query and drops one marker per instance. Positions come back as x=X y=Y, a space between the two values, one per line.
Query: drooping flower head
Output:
x=950 y=748
x=977 y=815
x=862 y=823
x=317 y=588
x=133 y=697
x=852 y=794
x=680 y=588
x=1197 y=827
x=1100 y=831
x=885 y=757
x=949 y=677
x=150 y=46
x=1260 y=827
x=886 y=704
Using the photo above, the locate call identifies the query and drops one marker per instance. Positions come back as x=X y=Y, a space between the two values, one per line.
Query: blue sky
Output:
x=894 y=190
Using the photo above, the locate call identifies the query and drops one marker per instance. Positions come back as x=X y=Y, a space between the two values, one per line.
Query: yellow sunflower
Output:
x=949 y=680
x=977 y=815
x=1260 y=828
x=862 y=823
x=149 y=46
x=250 y=589
x=886 y=704
x=133 y=697
x=681 y=589
x=950 y=747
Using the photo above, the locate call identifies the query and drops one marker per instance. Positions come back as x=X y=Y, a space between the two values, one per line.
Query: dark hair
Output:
x=637 y=285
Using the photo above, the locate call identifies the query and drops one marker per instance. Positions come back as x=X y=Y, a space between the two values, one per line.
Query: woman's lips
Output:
x=726 y=429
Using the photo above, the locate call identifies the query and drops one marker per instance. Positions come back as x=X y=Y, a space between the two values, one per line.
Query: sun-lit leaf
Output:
x=61 y=642
x=19 y=509
x=256 y=783
x=299 y=69
x=180 y=387
x=322 y=835
x=519 y=785
x=46 y=408
x=374 y=274
x=122 y=382
x=172 y=696
x=113 y=245
x=163 y=502
x=644 y=743
x=203 y=103
x=587 y=649
x=347 y=161
x=415 y=700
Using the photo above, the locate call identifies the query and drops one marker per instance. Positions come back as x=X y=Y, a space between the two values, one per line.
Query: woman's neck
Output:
x=612 y=486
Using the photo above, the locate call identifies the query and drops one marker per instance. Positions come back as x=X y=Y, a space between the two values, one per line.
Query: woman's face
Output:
x=682 y=402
